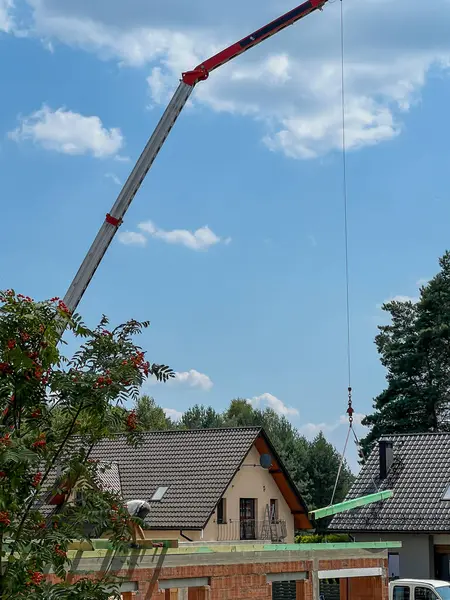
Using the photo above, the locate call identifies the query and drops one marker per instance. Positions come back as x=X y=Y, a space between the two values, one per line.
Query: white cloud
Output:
x=193 y=379
x=422 y=281
x=274 y=69
x=6 y=18
x=400 y=298
x=271 y=401
x=312 y=240
x=310 y=430
x=68 y=132
x=367 y=124
x=200 y=239
x=290 y=84
x=357 y=418
x=131 y=238
x=48 y=46
x=159 y=85
x=120 y=158
x=114 y=178
x=173 y=414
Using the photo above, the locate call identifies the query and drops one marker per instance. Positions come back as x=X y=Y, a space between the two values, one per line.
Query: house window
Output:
x=329 y=589
x=394 y=565
x=159 y=494
x=401 y=592
x=247 y=514
x=284 y=590
x=273 y=509
x=221 y=511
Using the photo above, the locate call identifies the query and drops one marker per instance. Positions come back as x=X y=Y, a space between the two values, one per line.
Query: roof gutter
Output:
x=185 y=536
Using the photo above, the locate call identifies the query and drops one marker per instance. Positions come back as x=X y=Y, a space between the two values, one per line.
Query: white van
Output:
x=419 y=589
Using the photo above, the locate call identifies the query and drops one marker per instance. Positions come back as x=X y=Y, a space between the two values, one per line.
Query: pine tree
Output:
x=415 y=350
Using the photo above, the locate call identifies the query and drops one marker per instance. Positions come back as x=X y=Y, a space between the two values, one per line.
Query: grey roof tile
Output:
x=197 y=466
x=418 y=477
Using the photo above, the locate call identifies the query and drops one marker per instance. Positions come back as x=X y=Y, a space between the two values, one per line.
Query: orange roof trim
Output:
x=285 y=484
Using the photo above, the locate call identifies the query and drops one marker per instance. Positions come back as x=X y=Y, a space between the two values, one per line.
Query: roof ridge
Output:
x=414 y=434
x=190 y=431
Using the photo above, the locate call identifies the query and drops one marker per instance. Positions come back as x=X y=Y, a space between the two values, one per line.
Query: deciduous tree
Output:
x=42 y=457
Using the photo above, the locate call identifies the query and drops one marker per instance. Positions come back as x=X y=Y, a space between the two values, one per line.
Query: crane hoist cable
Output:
x=350 y=410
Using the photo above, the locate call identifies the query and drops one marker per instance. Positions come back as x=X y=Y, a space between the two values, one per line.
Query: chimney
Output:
x=386 y=457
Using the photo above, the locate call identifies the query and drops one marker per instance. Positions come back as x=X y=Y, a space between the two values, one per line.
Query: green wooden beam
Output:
x=328 y=511
x=213 y=549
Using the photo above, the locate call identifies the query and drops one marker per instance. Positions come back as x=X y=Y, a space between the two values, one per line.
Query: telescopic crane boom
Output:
x=188 y=82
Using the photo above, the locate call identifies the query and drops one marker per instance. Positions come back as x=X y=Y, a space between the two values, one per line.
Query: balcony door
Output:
x=247 y=517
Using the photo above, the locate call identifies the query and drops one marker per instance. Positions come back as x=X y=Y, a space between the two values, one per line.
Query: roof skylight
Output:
x=160 y=492
x=446 y=495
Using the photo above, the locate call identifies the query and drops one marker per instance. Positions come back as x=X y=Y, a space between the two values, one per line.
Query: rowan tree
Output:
x=42 y=458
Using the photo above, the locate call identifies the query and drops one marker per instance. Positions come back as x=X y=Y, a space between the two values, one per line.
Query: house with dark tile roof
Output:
x=207 y=484
x=416 y=467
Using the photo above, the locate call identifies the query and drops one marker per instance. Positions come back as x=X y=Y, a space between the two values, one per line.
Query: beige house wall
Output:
x=174 y=534
x=251 y=481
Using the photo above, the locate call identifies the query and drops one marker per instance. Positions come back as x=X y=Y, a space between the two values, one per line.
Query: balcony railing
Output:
x=250 y=529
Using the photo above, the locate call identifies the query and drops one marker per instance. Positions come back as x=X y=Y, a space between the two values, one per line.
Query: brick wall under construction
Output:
x=250 y=575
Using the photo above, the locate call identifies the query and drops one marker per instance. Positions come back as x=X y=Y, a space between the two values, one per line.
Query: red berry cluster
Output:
x=20 y=296
x=36 y=480
x=5 y=368
x=116 y=517
x=38 y=371
x=139 y=362
x=60 y=552
x=41 y=442
x=6 y=409
x=132 y=421
x=36 y=578
x=114 y=511
x=4 y=518
x=102 y=382
x=5 y=440
x=63 y=308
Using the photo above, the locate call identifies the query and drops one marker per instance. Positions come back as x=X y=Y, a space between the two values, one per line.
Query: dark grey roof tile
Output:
x=418 y=477
x=197 y=466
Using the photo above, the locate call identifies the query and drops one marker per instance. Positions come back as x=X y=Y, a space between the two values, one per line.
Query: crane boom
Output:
x=189 y=79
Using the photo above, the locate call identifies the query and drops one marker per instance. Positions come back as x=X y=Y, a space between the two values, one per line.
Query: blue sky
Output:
x=233 y=247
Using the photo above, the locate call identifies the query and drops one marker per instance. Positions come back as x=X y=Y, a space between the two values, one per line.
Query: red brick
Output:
x=246 y=581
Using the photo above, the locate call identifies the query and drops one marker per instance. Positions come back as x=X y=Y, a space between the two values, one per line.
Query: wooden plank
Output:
x=228 y=548
x=328 y=511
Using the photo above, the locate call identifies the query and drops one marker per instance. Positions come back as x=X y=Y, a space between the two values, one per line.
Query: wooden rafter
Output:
x=328 y=511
